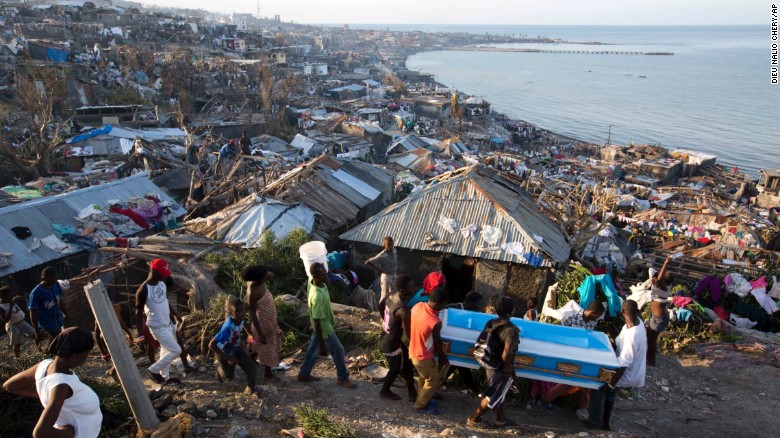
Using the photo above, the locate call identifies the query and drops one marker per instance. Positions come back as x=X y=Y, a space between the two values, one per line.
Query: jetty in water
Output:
x=581 y=52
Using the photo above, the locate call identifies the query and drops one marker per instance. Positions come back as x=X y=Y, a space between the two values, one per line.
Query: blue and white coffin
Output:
x=554 y=353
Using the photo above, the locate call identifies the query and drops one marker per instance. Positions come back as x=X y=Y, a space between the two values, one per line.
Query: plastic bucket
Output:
x=313 y=252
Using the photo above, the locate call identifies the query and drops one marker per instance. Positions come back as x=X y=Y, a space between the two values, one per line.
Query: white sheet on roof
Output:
x=250 y=225
x=146 y=134
x=356 y=184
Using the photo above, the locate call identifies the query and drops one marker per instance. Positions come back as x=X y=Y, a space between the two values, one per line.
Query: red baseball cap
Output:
x=161 y=267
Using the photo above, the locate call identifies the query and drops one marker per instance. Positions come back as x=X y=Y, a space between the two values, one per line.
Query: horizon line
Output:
x=520 y=24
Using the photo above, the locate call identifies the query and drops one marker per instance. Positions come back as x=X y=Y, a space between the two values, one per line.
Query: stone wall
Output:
x=491 y=279
x=525 y=282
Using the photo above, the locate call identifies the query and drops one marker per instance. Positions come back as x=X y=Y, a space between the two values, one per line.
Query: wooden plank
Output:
x=129 y=377
x=148 y=251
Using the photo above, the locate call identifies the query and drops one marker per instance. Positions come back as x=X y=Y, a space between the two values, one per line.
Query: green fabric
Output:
x=23 y=192
x=320 y=308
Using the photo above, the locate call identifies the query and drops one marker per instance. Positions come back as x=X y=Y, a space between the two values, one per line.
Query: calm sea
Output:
x=714 y=95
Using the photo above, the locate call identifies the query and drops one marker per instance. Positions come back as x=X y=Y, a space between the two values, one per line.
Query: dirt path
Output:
x=736 y=394
x=702 y=400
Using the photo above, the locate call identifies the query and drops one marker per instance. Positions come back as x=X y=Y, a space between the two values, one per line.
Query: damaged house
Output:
x=64 y=230
x=342 y=192
x=477 y=227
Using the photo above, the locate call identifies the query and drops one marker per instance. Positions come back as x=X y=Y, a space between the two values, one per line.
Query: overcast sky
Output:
x=593 y=12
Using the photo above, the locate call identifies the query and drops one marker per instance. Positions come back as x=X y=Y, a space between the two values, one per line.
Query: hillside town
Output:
x=247 y=164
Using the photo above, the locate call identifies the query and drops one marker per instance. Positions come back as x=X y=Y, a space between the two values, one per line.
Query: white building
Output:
x=244 y=22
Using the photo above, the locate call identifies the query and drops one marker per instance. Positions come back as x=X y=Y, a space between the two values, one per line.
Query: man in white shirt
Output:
x=386 y=264
x=631 y=348
x=151 y=301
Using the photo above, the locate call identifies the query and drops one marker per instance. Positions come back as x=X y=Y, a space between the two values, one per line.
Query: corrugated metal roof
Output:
x=343 y=188
x=39 y=215
x=355 y=183
x=417 y=160
x=475 y=196
x=281 y=217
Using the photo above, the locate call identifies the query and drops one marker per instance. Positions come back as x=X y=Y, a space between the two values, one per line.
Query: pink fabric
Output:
x=539 y=387
x=759 y=282
x=681 y=301
x=721 y=312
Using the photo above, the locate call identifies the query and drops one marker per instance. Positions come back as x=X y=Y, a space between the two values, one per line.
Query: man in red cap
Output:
x=152 y=300
x=431 y=282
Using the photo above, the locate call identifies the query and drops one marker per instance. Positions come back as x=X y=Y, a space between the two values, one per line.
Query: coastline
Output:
x=639 y=133
x=495 y=116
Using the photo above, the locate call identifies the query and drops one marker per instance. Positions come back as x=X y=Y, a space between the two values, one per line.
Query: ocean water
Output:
x=714 y=95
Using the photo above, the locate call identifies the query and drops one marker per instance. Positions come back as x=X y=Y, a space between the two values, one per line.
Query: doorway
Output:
x=459 y=272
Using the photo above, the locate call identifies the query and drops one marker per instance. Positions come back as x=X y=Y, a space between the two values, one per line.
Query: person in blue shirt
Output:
x=46 y=311
x=227 y=150
x=227 y=346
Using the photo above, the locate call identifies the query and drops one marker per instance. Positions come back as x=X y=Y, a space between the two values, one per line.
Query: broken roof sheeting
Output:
x=40 y=214
x=417 y=160
x=337 y=199
x=264 y=214
x=356 y=184
x=344 y=189
x=150 y=135
x=410 y=142
x=473 y=195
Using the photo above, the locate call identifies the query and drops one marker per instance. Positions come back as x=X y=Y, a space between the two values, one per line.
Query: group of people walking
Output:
x=72 y=409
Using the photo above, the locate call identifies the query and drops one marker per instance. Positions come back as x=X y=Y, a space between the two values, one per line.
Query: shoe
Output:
x=538 y=405
x=156 y=377
x=347 y=384
x=583 y=414
x=412 y=397
x=431 y=410
x=173 y=381
x=389 y=395
x=307 y=379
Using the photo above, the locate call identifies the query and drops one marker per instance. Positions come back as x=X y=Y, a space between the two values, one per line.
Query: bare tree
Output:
x=456 y=111
x=38 y=94
x=397 y=83
x=578 y=210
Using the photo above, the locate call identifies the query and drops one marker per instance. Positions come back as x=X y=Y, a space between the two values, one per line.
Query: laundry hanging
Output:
x=449 y=224
x=469 y=232
x=491 y=234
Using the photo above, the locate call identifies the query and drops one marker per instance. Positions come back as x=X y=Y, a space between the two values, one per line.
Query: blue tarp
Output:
x=497 y=140
x=94 y=133
x=587 y=292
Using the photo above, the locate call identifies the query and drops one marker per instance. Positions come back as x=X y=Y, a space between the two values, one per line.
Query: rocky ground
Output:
x=725 y=390
x=690 y=395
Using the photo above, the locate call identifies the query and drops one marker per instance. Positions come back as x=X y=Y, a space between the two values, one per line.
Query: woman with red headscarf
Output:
x=431 y=282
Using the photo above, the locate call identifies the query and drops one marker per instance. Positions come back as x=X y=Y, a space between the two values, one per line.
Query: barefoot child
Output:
x=264 y=327
x=227 y=345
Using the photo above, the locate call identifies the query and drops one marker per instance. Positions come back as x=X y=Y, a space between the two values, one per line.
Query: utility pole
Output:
x=258 y=17
x=609 y=136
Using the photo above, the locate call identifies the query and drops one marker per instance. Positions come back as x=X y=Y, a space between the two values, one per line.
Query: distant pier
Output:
x=578 y=52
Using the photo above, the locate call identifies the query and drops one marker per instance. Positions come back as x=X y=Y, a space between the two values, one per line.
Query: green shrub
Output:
x=280 y=256
x=318 y=424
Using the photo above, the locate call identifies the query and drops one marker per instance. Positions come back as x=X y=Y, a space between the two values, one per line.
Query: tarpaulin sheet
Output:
x=94 y=133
